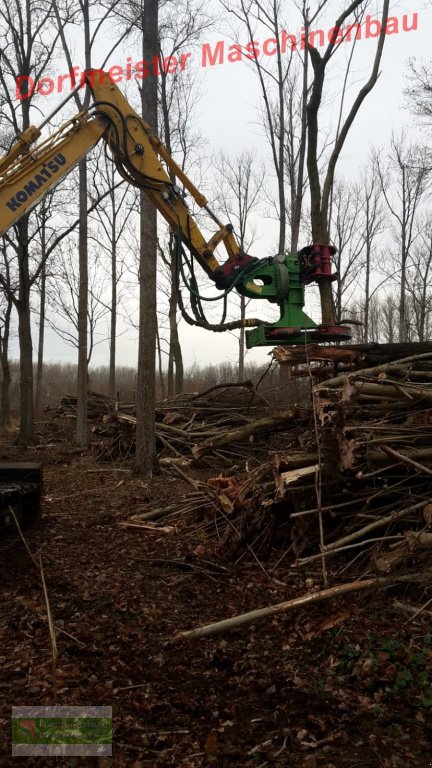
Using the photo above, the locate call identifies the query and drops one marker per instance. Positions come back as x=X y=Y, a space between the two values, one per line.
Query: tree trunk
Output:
x=318 y=221
x=145 y=455
x=6 y=376
x=178 y=357
x=39 y=369
x=170 y=372
x=25 y=434
x=175 y=378
x=172 y=316
x=81 y=426
x=175 y=351
x=161 y=373
x=402 y=296
x=81 y=438
x=242 y=340
x=113 y=318
x=367 y=290
x=298 y=197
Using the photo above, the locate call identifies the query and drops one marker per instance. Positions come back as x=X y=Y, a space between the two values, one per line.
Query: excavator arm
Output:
x=30 y=169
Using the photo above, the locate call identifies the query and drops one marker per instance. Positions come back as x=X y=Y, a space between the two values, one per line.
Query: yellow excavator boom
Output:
x=30 y=169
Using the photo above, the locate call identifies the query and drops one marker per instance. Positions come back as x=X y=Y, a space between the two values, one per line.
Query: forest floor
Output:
x=342 y=684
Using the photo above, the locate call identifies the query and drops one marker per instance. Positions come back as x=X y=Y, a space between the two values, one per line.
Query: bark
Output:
x=145 y=455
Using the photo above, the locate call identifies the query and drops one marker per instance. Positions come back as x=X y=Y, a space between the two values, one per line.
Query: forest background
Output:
x=230 y=111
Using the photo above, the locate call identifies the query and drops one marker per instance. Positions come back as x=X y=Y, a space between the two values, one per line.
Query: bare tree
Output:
x=388 y=318
x=177 y=98
x=26 y=52
x=91 y=31
x=274 y=86
x=63 y=299
x=373 y=226
x=145 y=455
x=296 y=95
x=419 y=280
x=419 y=91
x=113 y=216
x=320 y=198
x=347 y=236
x=240 y=190
x=404 y=179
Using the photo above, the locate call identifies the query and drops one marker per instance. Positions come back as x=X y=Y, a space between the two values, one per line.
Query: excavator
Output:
x=30 y=169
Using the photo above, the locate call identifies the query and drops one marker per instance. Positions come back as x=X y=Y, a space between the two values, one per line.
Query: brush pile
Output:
x=349 y=475
x=207 y=429
x=354 y=477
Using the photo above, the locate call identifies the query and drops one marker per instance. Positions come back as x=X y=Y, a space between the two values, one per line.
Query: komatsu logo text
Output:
x=46 y=171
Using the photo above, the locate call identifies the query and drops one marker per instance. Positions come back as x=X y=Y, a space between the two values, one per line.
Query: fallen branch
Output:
x=241 y=433
x=414 y=611
x=406 y=459
x=316 y=597
x=147 y=526
x=245 y=384
x=379 y=523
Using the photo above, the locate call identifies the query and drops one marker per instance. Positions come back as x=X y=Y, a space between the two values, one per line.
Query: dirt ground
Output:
x=346 y=684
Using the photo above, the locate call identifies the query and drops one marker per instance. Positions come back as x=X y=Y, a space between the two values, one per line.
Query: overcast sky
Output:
x=228 y=119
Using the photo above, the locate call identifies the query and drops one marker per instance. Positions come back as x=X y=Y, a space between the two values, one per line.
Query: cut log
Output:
x=363 y=354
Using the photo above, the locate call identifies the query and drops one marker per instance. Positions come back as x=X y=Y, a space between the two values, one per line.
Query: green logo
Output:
x=73 y=730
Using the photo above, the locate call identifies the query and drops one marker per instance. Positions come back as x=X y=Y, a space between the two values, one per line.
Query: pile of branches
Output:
x=376 y=429
x=353 y=480
x=207 y=429
x=347 y=477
